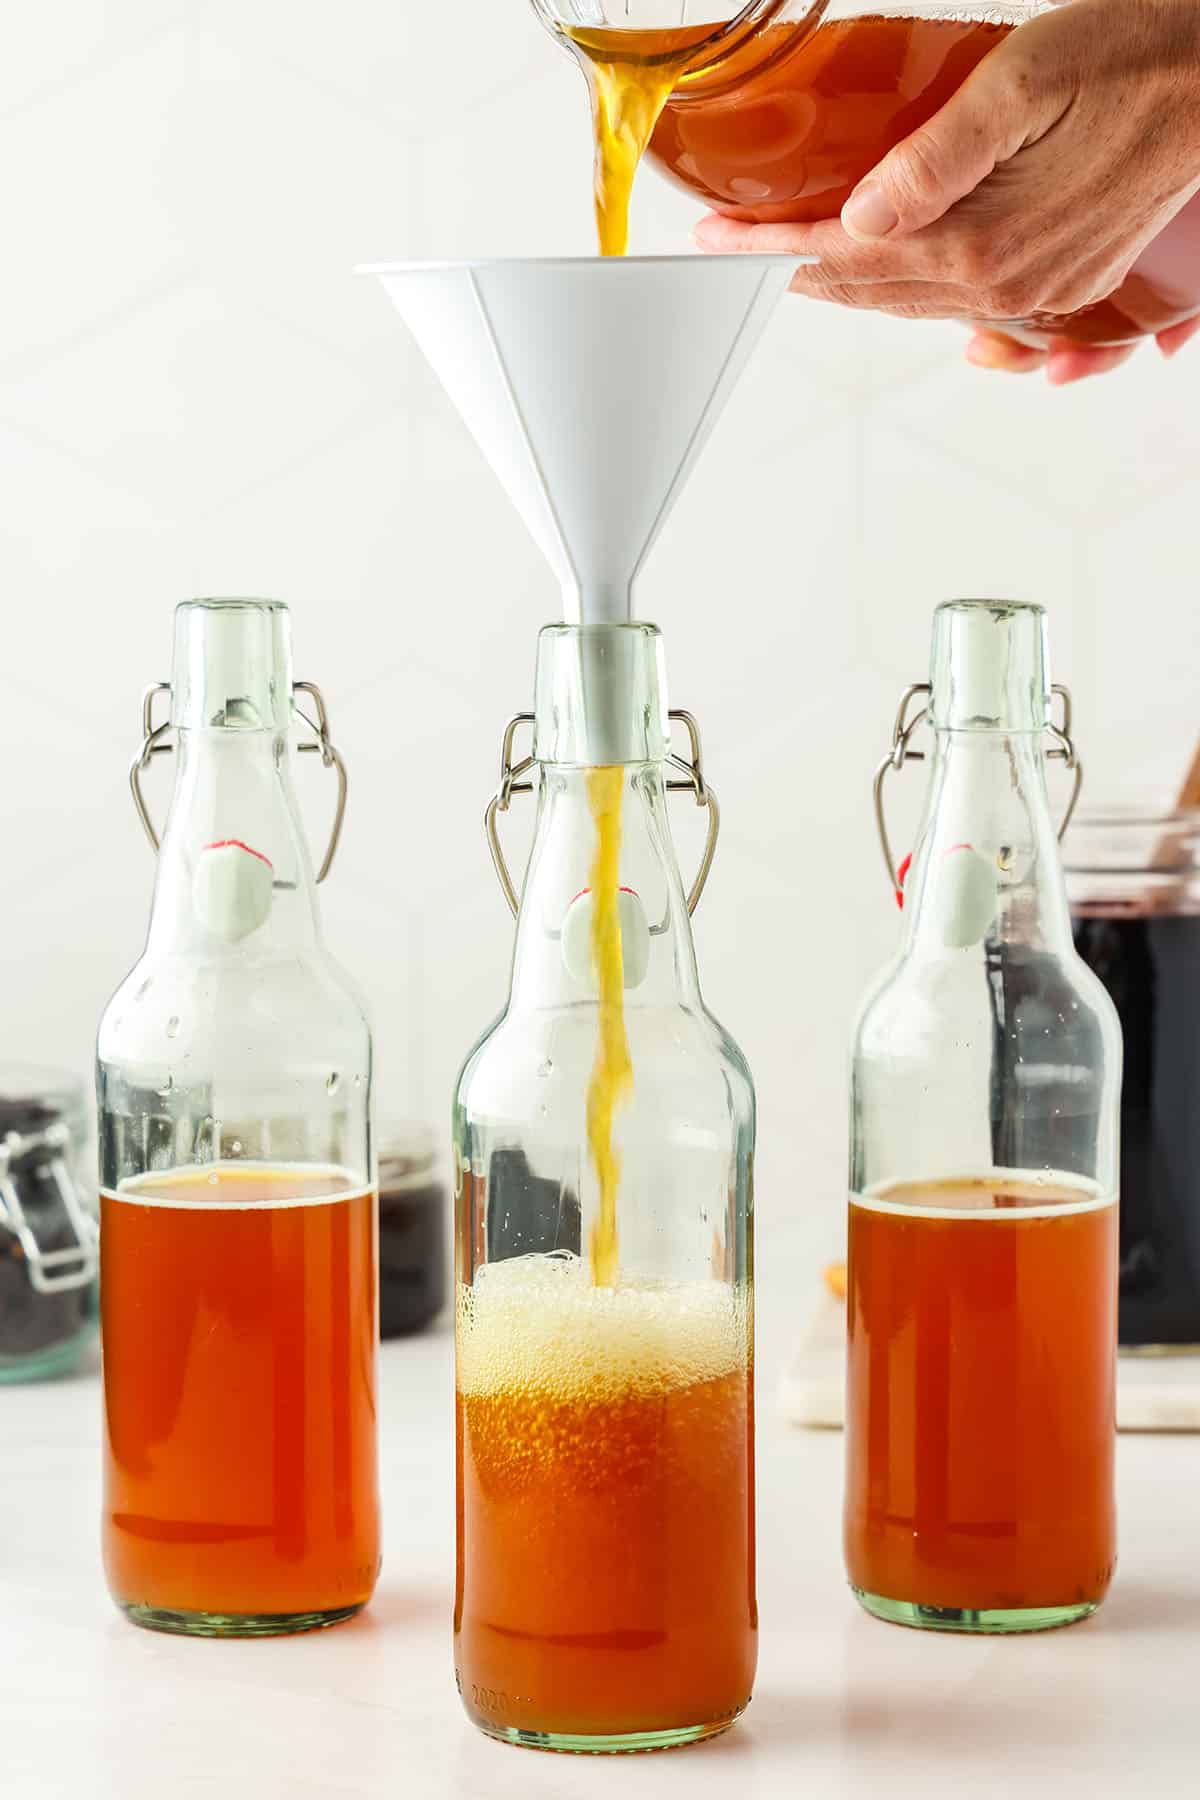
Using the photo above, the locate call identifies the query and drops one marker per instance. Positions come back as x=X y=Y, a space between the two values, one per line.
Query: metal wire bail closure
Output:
x=153 y=745
x=512 y=781
x=50 y=1271
x=1064 y=751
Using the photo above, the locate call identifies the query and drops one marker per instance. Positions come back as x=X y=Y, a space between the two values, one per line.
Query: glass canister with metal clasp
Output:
x=48 y=1231
x=604 y=1132
x=238 y=1220
x=982 y=1265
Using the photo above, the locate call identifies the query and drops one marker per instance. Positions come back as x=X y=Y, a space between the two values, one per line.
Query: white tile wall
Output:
x=197 y=396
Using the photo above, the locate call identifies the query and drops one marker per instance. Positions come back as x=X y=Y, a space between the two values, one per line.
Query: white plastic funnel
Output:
x=591 y=385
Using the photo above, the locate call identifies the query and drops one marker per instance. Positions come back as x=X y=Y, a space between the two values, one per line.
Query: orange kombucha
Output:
x=792 y=138
x=239 y=1327
x=980 y=1401
x=605 y=1594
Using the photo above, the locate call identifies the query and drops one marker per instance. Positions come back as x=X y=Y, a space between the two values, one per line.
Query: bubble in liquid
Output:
x=333 y=1083
x=173 y=1025
x=235 y=1149
x=545 y=1068
x=167 y=1088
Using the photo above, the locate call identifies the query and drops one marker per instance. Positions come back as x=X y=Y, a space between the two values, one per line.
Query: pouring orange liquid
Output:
x=612 y=1072
x=784 y=127
x=630 y=75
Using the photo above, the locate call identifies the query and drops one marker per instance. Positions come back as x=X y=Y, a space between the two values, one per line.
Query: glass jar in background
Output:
x=412 y=1230
x=981 y=1302
x=1134 y=884
x=48 y=1232
x=239 y=1306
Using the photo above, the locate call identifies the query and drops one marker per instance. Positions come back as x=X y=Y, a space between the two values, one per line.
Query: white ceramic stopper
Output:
x=232 y=889
x=577 y=938
x=963 y=897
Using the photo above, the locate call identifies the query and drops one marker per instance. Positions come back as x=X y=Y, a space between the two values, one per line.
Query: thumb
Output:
x=942 y=161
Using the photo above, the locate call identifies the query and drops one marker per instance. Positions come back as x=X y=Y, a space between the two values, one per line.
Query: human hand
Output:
x=1065 y=362
x=1032 y=191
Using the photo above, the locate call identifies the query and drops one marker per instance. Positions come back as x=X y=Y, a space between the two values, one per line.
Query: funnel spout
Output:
x=598 y=603
x=591 y=386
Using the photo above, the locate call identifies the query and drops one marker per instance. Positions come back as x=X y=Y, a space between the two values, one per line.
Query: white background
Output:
x=198 y=397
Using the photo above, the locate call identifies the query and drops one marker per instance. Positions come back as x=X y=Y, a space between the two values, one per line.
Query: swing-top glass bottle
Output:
x=983 y=1221
x=238 y=1233
x=605 y=1457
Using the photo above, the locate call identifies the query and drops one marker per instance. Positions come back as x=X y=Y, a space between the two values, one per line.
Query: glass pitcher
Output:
x=776 y=112
x=605 y=1596
x=238 y=1229
x=985 y=1085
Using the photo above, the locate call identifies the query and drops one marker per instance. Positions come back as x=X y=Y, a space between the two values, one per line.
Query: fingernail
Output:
x=868 y=213
x=986 y=353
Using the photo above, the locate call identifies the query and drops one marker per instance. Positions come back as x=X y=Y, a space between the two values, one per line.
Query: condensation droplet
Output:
x=167 y=1088
x=235 y=1149
x=212 y=1180
x=333 y=1083
x=173 y=1025
x=545 y=1068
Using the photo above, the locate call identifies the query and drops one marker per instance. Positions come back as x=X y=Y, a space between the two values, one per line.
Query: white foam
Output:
x=537 y=1324
x=223 y=1178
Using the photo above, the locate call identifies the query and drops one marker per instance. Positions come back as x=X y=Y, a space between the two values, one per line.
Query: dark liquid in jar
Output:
x=1151 y=968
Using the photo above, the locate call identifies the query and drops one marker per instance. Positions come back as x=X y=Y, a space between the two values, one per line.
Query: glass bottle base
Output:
x=235 y=1625
x=992 y=1621
x=617 y=1743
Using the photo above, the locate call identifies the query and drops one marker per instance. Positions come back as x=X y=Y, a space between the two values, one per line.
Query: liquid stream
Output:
x=612 y=1071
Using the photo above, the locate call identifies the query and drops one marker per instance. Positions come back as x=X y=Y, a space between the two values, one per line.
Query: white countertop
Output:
x=92 y=1708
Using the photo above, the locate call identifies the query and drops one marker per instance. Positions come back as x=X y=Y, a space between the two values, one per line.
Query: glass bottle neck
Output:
x=987 y=864
x=549 y=967
x=233 y=801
